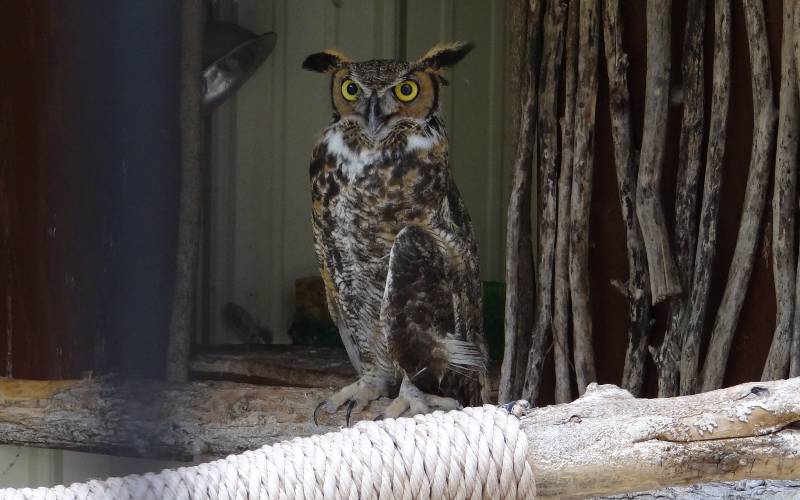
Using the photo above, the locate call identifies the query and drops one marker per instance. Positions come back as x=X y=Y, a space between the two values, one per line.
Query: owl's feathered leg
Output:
x=419 y=318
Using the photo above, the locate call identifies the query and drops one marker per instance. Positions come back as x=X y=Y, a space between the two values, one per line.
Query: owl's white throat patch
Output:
x=417 y=142
x=352 y=163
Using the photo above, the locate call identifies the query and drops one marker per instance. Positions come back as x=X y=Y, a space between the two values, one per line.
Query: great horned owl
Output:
x=394 y=242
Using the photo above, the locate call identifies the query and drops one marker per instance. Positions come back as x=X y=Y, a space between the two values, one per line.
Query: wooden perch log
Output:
x=548 y=191
x=561 y=299
x=605 y=442
x=754 y=200
x=637 y=289
x=519 y=249
x=784 y=206
x=664 y=282
x=582 y=173
x=609 y=442
x=690 y=160
x=709 y=211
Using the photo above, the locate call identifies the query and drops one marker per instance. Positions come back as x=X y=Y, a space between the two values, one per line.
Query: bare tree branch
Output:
x=637 y=288
x=562 y=305
x=794 y=361
x=519 y=250
x=784 y=206
x=664 y=282
x=548 y=191
x=754 y=200
x=690 y=160
x=712 y=185
x=582 y=173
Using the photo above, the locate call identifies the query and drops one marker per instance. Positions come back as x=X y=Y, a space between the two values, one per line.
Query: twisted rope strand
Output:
x=475 y=453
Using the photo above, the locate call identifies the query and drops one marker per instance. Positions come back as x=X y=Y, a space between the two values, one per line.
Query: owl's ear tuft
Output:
x=327 y=61
x=445 y=55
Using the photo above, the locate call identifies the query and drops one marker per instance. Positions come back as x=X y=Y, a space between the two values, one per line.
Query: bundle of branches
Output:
x=672 y=261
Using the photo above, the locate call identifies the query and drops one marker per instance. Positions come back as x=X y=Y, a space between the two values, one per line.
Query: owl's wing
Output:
x=431 y=313
x=323 y=241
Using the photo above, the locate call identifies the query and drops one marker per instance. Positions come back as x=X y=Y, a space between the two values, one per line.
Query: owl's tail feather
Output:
x=464 y=357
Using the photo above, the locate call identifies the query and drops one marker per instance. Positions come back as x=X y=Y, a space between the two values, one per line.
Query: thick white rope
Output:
x=475 y=453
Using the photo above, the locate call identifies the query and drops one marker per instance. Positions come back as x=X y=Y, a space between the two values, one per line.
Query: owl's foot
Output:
x=412 y=401
x=356 y=395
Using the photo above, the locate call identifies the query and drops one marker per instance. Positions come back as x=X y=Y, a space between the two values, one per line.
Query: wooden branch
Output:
x=561 y=300
x=605 y=442
x=794 y=356
x=763 y=490
x=712 y=186
x=784 y=206
x=582 y=172
x=519 y=250
x=286 y=366
x=690 y=160
x=608 y=442
x=160 y=420
x=282 y=365
x=552 y=51
x=754 y=200
x=637 y=288
x=664 y=282
x=183 y=301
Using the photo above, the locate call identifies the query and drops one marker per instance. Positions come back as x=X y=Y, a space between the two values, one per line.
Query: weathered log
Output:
x=784 y=206
x=709 y=211
x=690 y=160
x=519 y=250
x=664 y=282
x=179 y=421
x=609 y=442
x=582 y=173
x=561 y=299
x=605 y=442
x=637 y=288
x=754 y=200
x=547 y=131
x=183 y=301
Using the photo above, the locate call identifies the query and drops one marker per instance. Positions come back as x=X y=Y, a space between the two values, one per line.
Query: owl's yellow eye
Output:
x=406 y=91
x=350 y=90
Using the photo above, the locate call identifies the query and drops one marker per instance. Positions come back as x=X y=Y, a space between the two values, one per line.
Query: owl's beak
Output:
x=375 y=117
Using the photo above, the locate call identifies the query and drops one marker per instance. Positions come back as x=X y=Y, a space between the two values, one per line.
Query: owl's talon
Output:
x=356 y=396
x=412 y=401
x=316 y=413
x=350 y=405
